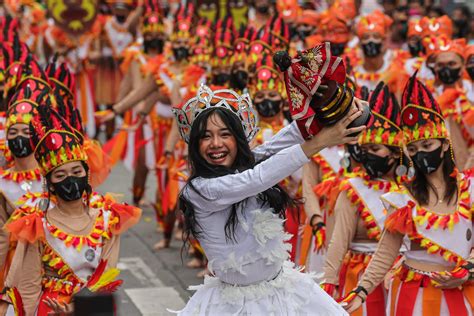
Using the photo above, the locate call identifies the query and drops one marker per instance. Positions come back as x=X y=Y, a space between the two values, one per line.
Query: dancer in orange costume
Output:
x=360 y=215
x=435 y=212
x=61 y=255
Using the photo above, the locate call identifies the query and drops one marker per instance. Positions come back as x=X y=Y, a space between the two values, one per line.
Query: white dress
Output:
x=252 y=274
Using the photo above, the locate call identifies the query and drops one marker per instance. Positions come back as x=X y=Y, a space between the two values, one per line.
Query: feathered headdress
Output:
x=223 y=42
x=421 y=114
x=384 y=125
x=152 y=21
x=267 y=77
x=183 y=22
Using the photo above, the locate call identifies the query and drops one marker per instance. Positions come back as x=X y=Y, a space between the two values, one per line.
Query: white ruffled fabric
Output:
x=290 y=293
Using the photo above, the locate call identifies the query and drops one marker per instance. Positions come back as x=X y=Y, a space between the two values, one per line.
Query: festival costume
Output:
x=360 y=214
x=439 y=239
x=456 y=105
x=14 y=184
x=252 y=275
x=61 y=260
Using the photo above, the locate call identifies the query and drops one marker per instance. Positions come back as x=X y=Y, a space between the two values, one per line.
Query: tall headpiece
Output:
x=267 y=77
x=242 y=43
x=239 y=105
x=384 y=125
x=421 y=114
x=303 y=76
x=202 y=47
x=223 y=41
x=375 y=22
x=9 y=29
x=183 y=21
x=281 y=33
x=152 y=22
x=54 y=140
x=14 y=55
x=32 y=91
x=261 y=43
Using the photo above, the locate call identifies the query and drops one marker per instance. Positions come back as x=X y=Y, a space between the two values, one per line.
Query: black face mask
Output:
x=376 y=166
x=470 y=71
x=268 y=108
x=121 y=18
x=372 y=49
x=239 y=79
x=403 y=30
x=20 y=146
x=355 y=152
x=180 y=53
x=71 y=188
x=449 y=75
x=263 y=9
x=220 y=79
x=428 y=162
x=337 y=49
x=155 y=44
x=415 y=49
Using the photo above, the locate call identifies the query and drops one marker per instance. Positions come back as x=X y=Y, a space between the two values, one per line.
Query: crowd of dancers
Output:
x=314 y=157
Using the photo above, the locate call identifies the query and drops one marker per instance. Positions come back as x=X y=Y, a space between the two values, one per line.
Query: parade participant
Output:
x=109 y=46
x=221 y=61
x=24 y=177
x=229 y=212
x=239 y=76
x=376 y=60
x=455 y=96
x=434 y=212
x=335 y=30
x=359 y=211
x=68 y=239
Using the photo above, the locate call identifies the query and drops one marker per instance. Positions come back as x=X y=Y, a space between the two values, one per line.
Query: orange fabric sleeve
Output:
x=27 y=228
x=123 y=217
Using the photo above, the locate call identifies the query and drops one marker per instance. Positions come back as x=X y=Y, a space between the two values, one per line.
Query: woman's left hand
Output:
x=59 y=308
x=448 y=281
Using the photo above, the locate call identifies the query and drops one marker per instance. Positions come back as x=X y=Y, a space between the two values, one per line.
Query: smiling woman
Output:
x=233 y=205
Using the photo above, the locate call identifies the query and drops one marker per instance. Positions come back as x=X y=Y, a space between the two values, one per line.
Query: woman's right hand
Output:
x=353 y=305
x=334 y=135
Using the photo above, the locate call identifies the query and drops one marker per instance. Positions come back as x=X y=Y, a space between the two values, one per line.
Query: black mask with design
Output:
x=20 y=146
x=239 y=79
x=415 y=48
x=264 y=9
x=180 y=53
x=376 y=166
x=220 y=79
x=155 y=44
x=337 y=49
x=71 y=188
x=428 y=161
x=268 y=108
x=121 y=18
x=449 y=75
x=372 y=49
x=355 y=152
x=470 y=71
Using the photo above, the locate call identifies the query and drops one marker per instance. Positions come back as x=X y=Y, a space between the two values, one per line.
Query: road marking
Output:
x=155 y=301
x=140 y=270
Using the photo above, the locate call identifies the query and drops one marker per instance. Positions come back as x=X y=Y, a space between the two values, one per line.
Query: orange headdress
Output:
x=334 y=29
x=457 y=46
x=375 y=22
x=344 y=9
x=288 y=9
x=267 y=77
x=223 y=42
x=442 y=26
x=183 y=22
x=416 y=27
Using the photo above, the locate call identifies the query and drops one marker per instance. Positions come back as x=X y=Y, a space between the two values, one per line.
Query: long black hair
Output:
x=419 y=186
x=275 y=197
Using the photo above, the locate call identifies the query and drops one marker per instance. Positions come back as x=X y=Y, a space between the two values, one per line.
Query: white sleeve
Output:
x=216 y=194
x=286 y=137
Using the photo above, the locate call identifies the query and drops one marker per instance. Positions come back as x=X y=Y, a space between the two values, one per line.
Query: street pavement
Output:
x=153 y=281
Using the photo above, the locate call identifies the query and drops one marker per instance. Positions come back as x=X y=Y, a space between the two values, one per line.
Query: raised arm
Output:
x=286 y=137
x=217 y=193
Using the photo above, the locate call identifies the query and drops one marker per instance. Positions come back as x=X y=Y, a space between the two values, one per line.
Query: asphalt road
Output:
x=153 y=281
